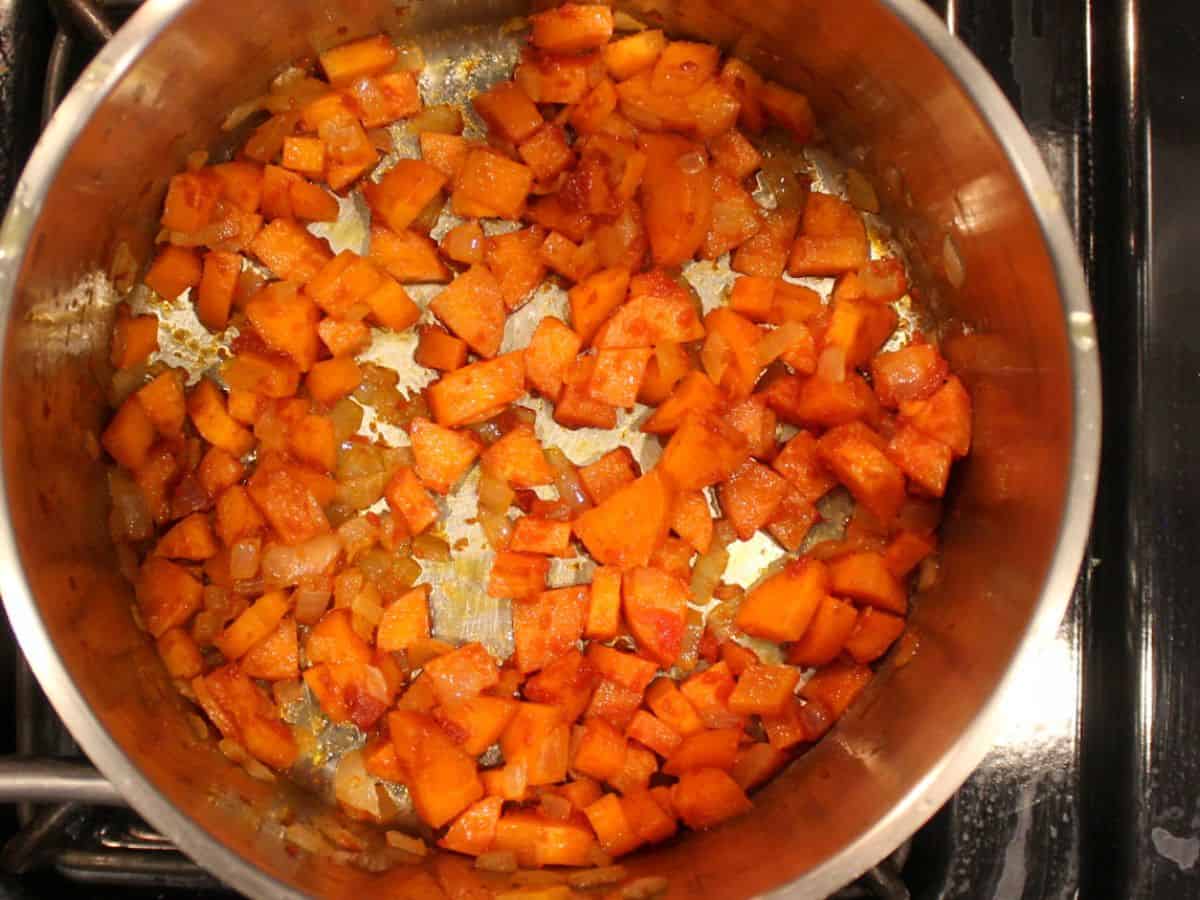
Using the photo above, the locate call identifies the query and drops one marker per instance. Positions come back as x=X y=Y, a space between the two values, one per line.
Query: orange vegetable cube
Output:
x=475 y=723
x=342 y=285
x=442 y=455
x=617 y=376
x=925 y=460
x=635 y=53
x=833 y=238
x=358 y=59
x=906 y=550
x=945 y=415
x=167 y=595
x=311 y=202
x=751 y=496
x=134 y=338
x=609 y=474
x=615 y=833
x=566 y=683
x=694 y=395
x=537 y=840
x=613 y=702
x=445 y=152
x=766 y=253
x=677 y=204
x=464 y=243
x=859 y=328
x=408 y=497
x=478 y=391
x=865 y=470
x=405 y=621
x=781 y=608
x=442 y=779
x=837 y=685
x=546 y=152
x=190 y=538
x=538 y=737
x=604 y=609
x=628 y=670
x=289 y=251
x=812 y=402
x=702 y=451
x=491 y=185
x=683 y=66
x=551 y=212
x=163 y=403
x=218 y=283
x=515 y=260
x=554 y=78
x=403 y=192
x=386 y=98
x=654 y=733
x=800 y=464
x=288 y=505
x=547 y=624
x=572 y=28
x=865 y=577
x=655 y=606
x=828 y=632
x=391 y=307
x=207 y=410
x=669 y=364
x=286 y=320
x=581 y=791
x=518 y=459
x=789 y=109
x=407 y=256
x=305 y=155
x=276 y=657
x=706 y=797
x=473 y=308
x=730 y=354
x=649 y=821
x=874 y=632
x=265 y=375
x=734 y=155
x=334 y=640
x=474 y=831
x=575 y=407
x=626 y=528
x=910 y=373
x=332 y=379
x=438 y=350
x=517 y=575
x=574 y=262
x=465 y=672
x=735 y=217
x=190 y=202
x=757 y=423
x=253 y=625
x=595 y=298
x=180 y=654
x=545 y=536
x=599 y=751
x=173 y=271
x=764 y=690
x=708 y=749
x=673 y=708
x=344 y=338
x=311 y=440
x=508 y=112
x=243 y=712
x=756 y=764
x=237 y=516
x=219 y=470
x=550 y=352
x=692 y=520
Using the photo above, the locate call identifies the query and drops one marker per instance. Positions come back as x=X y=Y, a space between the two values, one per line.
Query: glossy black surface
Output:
x=1090 y=790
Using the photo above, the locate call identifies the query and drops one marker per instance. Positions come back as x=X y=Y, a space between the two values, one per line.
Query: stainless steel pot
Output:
x=971 y=201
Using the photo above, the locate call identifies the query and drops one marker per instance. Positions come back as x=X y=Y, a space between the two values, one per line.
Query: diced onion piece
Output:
x=347 y=418
x=244 y=557
x=354 y=786
x=129 y=519
x=860 y=192
x=357 y=535
x=243 y=111
x=430 y=547
x=283 y=566
x=441 y=119
x=597 y=877
x=692 y=163
x=779 y=173
x=497 y=528
x=311 y=599
x=400 y=841
x=645 y=888
x=494 y=494
x=496 y=861
x=553 y=806
x=707 y=572
x=623 y=21
x=715 y=356
x=720 y=619
x=778 y=342
x=306 y=838
x=566 y=479
x=831 y=364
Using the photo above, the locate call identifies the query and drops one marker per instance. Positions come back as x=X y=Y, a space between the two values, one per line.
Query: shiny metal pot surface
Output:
x=973 y=205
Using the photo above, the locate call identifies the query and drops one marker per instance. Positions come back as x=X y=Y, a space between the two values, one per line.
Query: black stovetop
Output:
x=1091 y=790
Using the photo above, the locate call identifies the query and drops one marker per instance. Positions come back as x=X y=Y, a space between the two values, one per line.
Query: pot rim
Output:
x=107 y=70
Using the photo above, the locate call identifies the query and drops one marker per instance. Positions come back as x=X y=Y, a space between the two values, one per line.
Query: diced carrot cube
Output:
x=595 y=298
x=342 y=285
x=311 y=202
x=219 y=470
x=438 y=350
x=756 y=764
x=190 y=202
x=264 y=375
x=167 y=595
x=581 y=791
x=691 y=519
x=574 y=262
x=734 y=155
x=566 y=682
x=474 y=831
x=859 y=328
x=800 y=464
x=654 y=733
x=695 y=395
x=617 y=376
x=286 y=320
x=391 y=307
x=305 y=155
x=837 y=685
x=464 y=243
x=547 y=624
x=518 y=459
x=515 y=260
x=207 y=410
x=925 y=460
x=173 y=271
x=649 y=821
x=491 y=185
x=651 y=319
x=134 y=338
x=735 y=217
x=473 y=308
x=344 y=337
x=445 y=152
x=677 y=203
x=873 y=634
x=655 y=607
x=608 y=474
x=508 y=112
x=253 y=625
x=465 y=672
x=626 y=528
x=812 y=402
x=386 y=98
x=864 y=469
x=190 y=538
x=358 y=59
x=906 y=550
x=534 y=535
x=405 y=621
x=701 y=452
x=478 y=391
x=607 y=818
x=789 y=109
x=750 y=497
x=673 y=708
x=575 y=407
x=757 y=423
x=833 y=238
x=334 y=640
x=766 y=253
x=538 y=736
x=408 y=497
x=764 y=690
x=241 y=184
x=798 y=723
x=604 y=609
x=683 y=66
x=730 y=354
x=404 y=191
x=180 y=654
x=635 y=53
x=625 y=669
x=614 y=703
x=781 y=607
x=311 y=440
x=244 y=713
x=572 y=28
x=555 y=78
x=865 y=577
x=709 y=749
x=289 y=251
x=442 y=455
x=911 y=373
x=550 y=352
x=288 y=505
x=640 y=766
x=599 y=751
x=237 y=516
x=442 y=779
x=552 y=213
x=706 y=797
x=537 y=840
x=218 y=282
x=163 y=402
x=407 y=256
x=475 y=723
x=546 y=152
x=332 y=379
x=516 y=575
x=945 y=415
x=266 y=141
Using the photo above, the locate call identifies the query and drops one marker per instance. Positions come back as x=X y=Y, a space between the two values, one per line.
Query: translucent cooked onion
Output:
x=720 y=619
x=367 y=606
x=311 y=599
x=283 y=566
x=494 y=493
x=359 y=493
x=831 y=364
x=496 y=861
x=778 y=342
x=441 y=119
x=243 y=111
x=707 y=572
x=357 y=535
x=779 y=172
x=715 y=356
x=244 y=557
x=497 y=528
x=347 y=418
x=566 y=479
x=692 y=163
x=295 y=95
x=130 y=518
x=430 y=547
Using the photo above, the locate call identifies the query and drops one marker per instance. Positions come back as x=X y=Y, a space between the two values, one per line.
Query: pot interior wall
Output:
x=889 y=105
